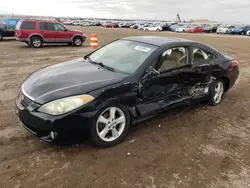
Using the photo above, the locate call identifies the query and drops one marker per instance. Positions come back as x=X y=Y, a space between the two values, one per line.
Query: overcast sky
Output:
x=219 y=10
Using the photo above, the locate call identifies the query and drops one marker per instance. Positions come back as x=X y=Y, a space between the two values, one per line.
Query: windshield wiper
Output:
x=101 y=64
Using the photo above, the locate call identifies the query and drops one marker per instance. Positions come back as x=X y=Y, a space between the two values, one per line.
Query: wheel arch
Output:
x=226 y=82
x=36 y=35
x=78 y=35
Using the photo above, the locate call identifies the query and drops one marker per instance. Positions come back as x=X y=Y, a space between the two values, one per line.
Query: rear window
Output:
x=28 y=25
x=46 y=26
x=18 y=25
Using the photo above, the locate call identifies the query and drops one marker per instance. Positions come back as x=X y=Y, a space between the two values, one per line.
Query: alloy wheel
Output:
x=78 y=42
x=110 y=124
x=36 y=42
x=218 y=92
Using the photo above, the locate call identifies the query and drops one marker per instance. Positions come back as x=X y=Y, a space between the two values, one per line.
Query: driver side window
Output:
x=59 y=27
x=172 y=58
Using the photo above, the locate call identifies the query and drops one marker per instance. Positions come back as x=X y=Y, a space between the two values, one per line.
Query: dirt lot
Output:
x=199 y=147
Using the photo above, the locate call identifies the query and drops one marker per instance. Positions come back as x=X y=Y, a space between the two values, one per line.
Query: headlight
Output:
x=64 y=105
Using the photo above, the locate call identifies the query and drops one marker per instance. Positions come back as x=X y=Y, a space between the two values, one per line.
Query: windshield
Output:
x=122 y=55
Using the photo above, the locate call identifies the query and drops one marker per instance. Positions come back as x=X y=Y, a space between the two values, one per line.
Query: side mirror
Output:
x=150 y=73
x=65 y=29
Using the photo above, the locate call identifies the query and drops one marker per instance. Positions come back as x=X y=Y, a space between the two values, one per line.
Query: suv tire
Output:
x=1 y=35
x=36 y=42
x=77 y=41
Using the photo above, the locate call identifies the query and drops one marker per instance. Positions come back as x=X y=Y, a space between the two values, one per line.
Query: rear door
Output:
x=47 y=31
x=196 y=79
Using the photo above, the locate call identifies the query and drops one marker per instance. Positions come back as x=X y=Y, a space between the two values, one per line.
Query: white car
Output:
x=153 y=28
x=180 y=29
x=224 y=29
x=248 y=33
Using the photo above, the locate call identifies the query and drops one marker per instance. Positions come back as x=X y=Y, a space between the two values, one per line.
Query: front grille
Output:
x=25 y=101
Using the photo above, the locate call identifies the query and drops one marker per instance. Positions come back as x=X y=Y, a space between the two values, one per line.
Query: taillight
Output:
x=233 y=64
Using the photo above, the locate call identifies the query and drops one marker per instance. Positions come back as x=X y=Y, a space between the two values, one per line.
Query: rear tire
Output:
x=77 y=41
x=216 y=92
x=107 y=129
x=36 y=42
x=1 y=36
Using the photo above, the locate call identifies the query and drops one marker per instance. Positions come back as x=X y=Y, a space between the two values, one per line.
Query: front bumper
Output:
x=48 y=127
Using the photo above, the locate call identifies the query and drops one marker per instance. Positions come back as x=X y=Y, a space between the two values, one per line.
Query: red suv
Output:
x=37 y=32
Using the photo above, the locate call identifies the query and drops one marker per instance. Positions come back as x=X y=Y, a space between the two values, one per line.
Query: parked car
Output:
x=141 y=27
x=181 y=28
x=242 y=30
x=210 y=29
x=153 y=28
x=10 y=22
x=166 y=26
x=174 y=26
x=194 y=29
x=110 y=25
x=5 y=31
x=127 y=87
x=224 y=29
x=134 y=26
x=37 y=32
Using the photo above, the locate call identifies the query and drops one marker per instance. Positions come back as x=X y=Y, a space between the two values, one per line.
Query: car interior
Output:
x=172 y=58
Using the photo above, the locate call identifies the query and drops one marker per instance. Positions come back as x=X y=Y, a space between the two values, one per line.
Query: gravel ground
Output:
x=199 y=146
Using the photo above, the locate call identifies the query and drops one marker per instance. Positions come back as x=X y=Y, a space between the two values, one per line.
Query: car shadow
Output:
x=7 y=39
x=82 y=137
x=55 y=46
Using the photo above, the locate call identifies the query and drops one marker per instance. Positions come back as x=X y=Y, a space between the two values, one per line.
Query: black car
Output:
x=210 y=29
x=6 y=31
x=121 y=83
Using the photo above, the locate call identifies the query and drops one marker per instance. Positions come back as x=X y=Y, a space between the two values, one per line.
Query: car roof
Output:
x=34 y=20
x=155 y=40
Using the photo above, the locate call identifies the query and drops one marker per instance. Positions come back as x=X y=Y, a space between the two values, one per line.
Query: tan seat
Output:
x=172 y=61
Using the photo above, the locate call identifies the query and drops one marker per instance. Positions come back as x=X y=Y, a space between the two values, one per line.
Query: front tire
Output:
x=77 y=41
x=110 y=126
x=216 y=92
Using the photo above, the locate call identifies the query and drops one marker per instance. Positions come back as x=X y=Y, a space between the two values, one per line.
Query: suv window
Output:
x=18 y=25
x=28 y=25
x=46 y=26
x=172 y=58
x=59 y=27
x=200 y=55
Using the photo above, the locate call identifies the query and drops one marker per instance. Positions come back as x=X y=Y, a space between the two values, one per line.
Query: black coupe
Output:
x=124 y=81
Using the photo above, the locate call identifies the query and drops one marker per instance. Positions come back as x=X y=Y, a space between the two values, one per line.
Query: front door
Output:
x=162 y=91
x=61 y=33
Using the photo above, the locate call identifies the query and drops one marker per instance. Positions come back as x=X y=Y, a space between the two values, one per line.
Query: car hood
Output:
x=77 y=31
x=69 y=78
